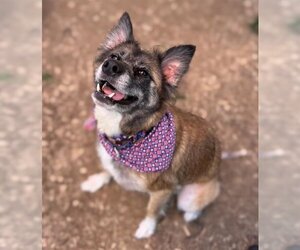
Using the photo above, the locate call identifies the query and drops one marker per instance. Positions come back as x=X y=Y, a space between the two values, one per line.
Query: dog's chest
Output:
x=124 y=176
x=108 y=121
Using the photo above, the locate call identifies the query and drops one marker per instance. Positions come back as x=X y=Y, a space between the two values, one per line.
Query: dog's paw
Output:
x=191 y=216
x=146 y=228
x=95 y=182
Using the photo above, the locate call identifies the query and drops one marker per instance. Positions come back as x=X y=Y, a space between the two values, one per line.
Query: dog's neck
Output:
x=131 y=124
x=113 y=123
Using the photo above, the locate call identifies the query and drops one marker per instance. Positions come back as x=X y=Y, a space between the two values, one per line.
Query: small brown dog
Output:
x=146 y=143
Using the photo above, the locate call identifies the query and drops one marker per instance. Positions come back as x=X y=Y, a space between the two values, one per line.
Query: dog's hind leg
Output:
x=193 y=198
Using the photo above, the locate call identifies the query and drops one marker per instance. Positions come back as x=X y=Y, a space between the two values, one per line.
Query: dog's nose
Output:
x=112 y=67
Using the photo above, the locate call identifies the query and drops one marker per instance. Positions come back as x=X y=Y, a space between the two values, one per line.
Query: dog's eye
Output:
x=115 y=57
x=141 y=72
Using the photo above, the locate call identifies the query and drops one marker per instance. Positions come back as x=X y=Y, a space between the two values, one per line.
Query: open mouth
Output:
x=111 y=94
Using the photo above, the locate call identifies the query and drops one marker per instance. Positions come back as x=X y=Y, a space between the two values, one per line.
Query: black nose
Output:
x=112 y=67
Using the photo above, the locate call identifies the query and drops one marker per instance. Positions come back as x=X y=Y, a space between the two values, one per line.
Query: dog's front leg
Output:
x=156 y=203
x=97 y=181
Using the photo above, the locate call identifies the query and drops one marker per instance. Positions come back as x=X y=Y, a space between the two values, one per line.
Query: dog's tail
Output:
x=235 y=154
x=279 y=152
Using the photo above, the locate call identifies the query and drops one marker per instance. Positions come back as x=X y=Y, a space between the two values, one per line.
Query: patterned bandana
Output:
x=146 y=151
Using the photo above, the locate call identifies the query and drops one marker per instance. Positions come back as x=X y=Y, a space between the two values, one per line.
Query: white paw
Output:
x=95 y=182
x=190 y=216
x=146 y=228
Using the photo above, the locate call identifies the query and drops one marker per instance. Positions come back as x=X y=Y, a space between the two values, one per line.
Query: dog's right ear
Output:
x=121 y=33
x=175 y=63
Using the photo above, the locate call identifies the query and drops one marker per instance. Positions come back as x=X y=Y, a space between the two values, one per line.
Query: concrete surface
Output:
x=279 y=176
x=20 y=125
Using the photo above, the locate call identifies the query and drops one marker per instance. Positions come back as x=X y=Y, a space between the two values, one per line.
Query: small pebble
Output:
x=82 y=170
x=75 y=203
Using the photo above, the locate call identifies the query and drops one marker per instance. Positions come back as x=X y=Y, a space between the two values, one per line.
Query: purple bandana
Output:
x=150 y=152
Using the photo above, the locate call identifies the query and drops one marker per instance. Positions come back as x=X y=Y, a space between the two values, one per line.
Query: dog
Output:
x=146 y=143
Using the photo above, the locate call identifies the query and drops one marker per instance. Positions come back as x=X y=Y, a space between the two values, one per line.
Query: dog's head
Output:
x=129 y=79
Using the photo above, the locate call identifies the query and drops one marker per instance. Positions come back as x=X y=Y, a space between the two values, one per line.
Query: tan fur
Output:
x=157 y=201
x=196 y=196
x=196 y=160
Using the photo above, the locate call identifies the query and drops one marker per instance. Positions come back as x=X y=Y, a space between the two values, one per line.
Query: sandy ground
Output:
x=221 y=86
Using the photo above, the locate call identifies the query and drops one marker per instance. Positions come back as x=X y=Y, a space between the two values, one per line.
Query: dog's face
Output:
x=129 y=79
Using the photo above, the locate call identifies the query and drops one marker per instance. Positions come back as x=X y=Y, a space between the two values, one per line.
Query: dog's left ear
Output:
x=121 y=33
x=175 y=63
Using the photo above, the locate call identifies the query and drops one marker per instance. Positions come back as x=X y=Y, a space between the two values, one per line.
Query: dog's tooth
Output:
x=111 y=95
x=103 y=85
x=98 y=87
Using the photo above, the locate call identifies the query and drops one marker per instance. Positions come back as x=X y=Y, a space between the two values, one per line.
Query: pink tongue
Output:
x=117 y=95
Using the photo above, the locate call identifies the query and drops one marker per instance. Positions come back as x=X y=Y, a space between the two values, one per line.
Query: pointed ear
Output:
x=121 y=33
x=175 y=62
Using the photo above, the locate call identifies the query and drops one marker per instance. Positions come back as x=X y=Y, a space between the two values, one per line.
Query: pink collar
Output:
x=147 y=152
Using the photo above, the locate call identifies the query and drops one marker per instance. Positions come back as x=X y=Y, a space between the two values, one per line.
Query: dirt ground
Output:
x=220 y=86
